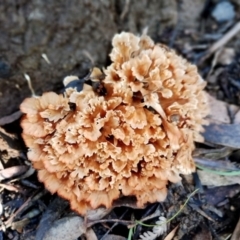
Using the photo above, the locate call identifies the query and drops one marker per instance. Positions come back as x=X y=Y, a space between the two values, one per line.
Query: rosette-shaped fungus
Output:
x=92 y=148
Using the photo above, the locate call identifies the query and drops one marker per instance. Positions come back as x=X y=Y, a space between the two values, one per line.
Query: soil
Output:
x=48 y=40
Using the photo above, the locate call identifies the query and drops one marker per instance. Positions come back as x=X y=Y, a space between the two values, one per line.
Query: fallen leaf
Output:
x=10 y=118
x=114 y=237
x=212 y=154
x=10 y=144
x=9 y=187
x=97 y=214
x=237 y=117
x=218 y=110
x=90 y=235
x=12 y=172
x=19 y=225
x=171 y=235
x=27 y=174
x=211 y=179
x=53 y=212
x=226 y=56
x=220 y=130
x=223 y=134
x=217 y=165
x=216 y=195
x=67 y=228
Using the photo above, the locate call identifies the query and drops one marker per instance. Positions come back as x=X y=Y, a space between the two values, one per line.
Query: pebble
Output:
x=223 y=11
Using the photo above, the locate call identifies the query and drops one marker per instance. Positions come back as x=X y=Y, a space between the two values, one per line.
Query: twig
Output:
x=154 y=215
x=89 y=56
x=10 y=118
x=110 y=229
x=124 y=222
x=221 y=42
x=177 y=26
x=146 y=214
x=28 y=79
x=10 y=220
x=204 y=214
x=214 y=62
x=29 y=201
x=125 y=9
x=45 y=57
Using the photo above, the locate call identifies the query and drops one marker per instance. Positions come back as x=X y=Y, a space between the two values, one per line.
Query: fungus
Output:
x=131 y=140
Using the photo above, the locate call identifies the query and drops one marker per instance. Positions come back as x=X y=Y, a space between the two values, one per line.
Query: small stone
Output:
x=223 y=11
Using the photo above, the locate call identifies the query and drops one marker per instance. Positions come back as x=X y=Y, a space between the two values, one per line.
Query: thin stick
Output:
x=222 y=41
x=29 y=84
x=125 y=9
x=124 y=222
x=115 y=224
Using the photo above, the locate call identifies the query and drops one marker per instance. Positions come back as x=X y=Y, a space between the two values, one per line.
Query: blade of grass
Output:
x=130 y=233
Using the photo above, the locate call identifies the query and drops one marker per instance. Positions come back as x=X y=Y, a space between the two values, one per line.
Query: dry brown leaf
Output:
x=218 y=110
x=12 y=172
x=9 y=187
x=10 y=118
x=27 y=174
x=220 y=131
x=96 y=214
x=171 y=235
x=220 y=165
x=223 y=134
x=68 y=228
x=9 y=145
x=237 y=117
x=114 y=237
x=211 y=179
x=226 y=56
x=216 y=195
x=53 y=212
x=90 y=235
x=19 y=225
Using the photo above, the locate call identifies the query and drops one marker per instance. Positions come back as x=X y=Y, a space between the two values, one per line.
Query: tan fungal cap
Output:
x=131 y=141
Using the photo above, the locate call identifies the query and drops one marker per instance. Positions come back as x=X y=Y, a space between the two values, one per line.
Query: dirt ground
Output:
x=69 y=34
x=44 y=41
